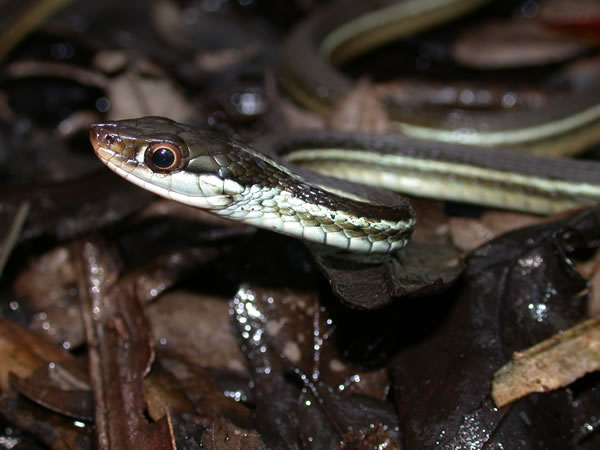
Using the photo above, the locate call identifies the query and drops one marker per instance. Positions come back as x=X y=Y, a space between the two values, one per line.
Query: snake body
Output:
x=344 y=29
x=262 y=188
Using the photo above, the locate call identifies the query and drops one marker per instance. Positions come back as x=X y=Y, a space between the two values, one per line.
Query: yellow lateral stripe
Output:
x=448 y=169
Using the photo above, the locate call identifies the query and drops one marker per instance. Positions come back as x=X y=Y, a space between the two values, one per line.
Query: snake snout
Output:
x=105 y=139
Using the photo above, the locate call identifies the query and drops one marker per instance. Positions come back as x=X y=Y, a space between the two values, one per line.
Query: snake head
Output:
x=156 y=154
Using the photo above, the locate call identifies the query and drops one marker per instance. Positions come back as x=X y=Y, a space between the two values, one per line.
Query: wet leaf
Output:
x=517 y=290
x=208 y=397
x=72 y=207
x=377 y=437
x=22 y=352
x=62 y=387
x=53 y=430
x=73 y=403
x=223 y=435
x=120 y=353
x=296 y=409
x=164 y=395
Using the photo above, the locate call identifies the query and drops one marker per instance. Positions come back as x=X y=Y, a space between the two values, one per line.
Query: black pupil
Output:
x=163 y=157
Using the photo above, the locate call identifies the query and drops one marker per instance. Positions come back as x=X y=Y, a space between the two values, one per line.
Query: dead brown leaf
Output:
x=120 y=353
x=469 y=233
x=22 y=352
x=223 y=435
x=197 y=329
x=48 y=280
x=590 y=270
x=517 y=43
x=553 y=363
x=134 y=95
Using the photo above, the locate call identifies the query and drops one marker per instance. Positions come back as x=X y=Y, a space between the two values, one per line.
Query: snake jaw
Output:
x=124 y=155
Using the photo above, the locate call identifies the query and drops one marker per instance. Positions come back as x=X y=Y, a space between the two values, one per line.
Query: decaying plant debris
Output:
x=131 y=322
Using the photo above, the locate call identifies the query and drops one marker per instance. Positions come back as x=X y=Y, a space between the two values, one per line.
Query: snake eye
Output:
x=163 y=156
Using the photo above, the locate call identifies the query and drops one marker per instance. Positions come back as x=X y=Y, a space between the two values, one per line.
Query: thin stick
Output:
x=13 y=234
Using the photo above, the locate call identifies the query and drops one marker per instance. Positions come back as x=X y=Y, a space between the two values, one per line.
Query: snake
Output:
x=345 y=29
x=326 y=187
x=285 y=182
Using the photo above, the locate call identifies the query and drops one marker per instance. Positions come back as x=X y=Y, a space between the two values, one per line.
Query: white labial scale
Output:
x=293 y=228
x=255 y=214
x=187 y=183
x=272 y=222
x=337 y=239
x=202 y=191
x=159 y=179
x=238 y=214
x=381 y=246
x=359 y=245
x=209 y=184
x=232 y=188
x=315 y=234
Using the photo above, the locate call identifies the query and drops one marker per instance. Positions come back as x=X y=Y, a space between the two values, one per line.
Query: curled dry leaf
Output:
x=22 y=352
x=551 y=364
x=360 y=110
x=134 y=95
